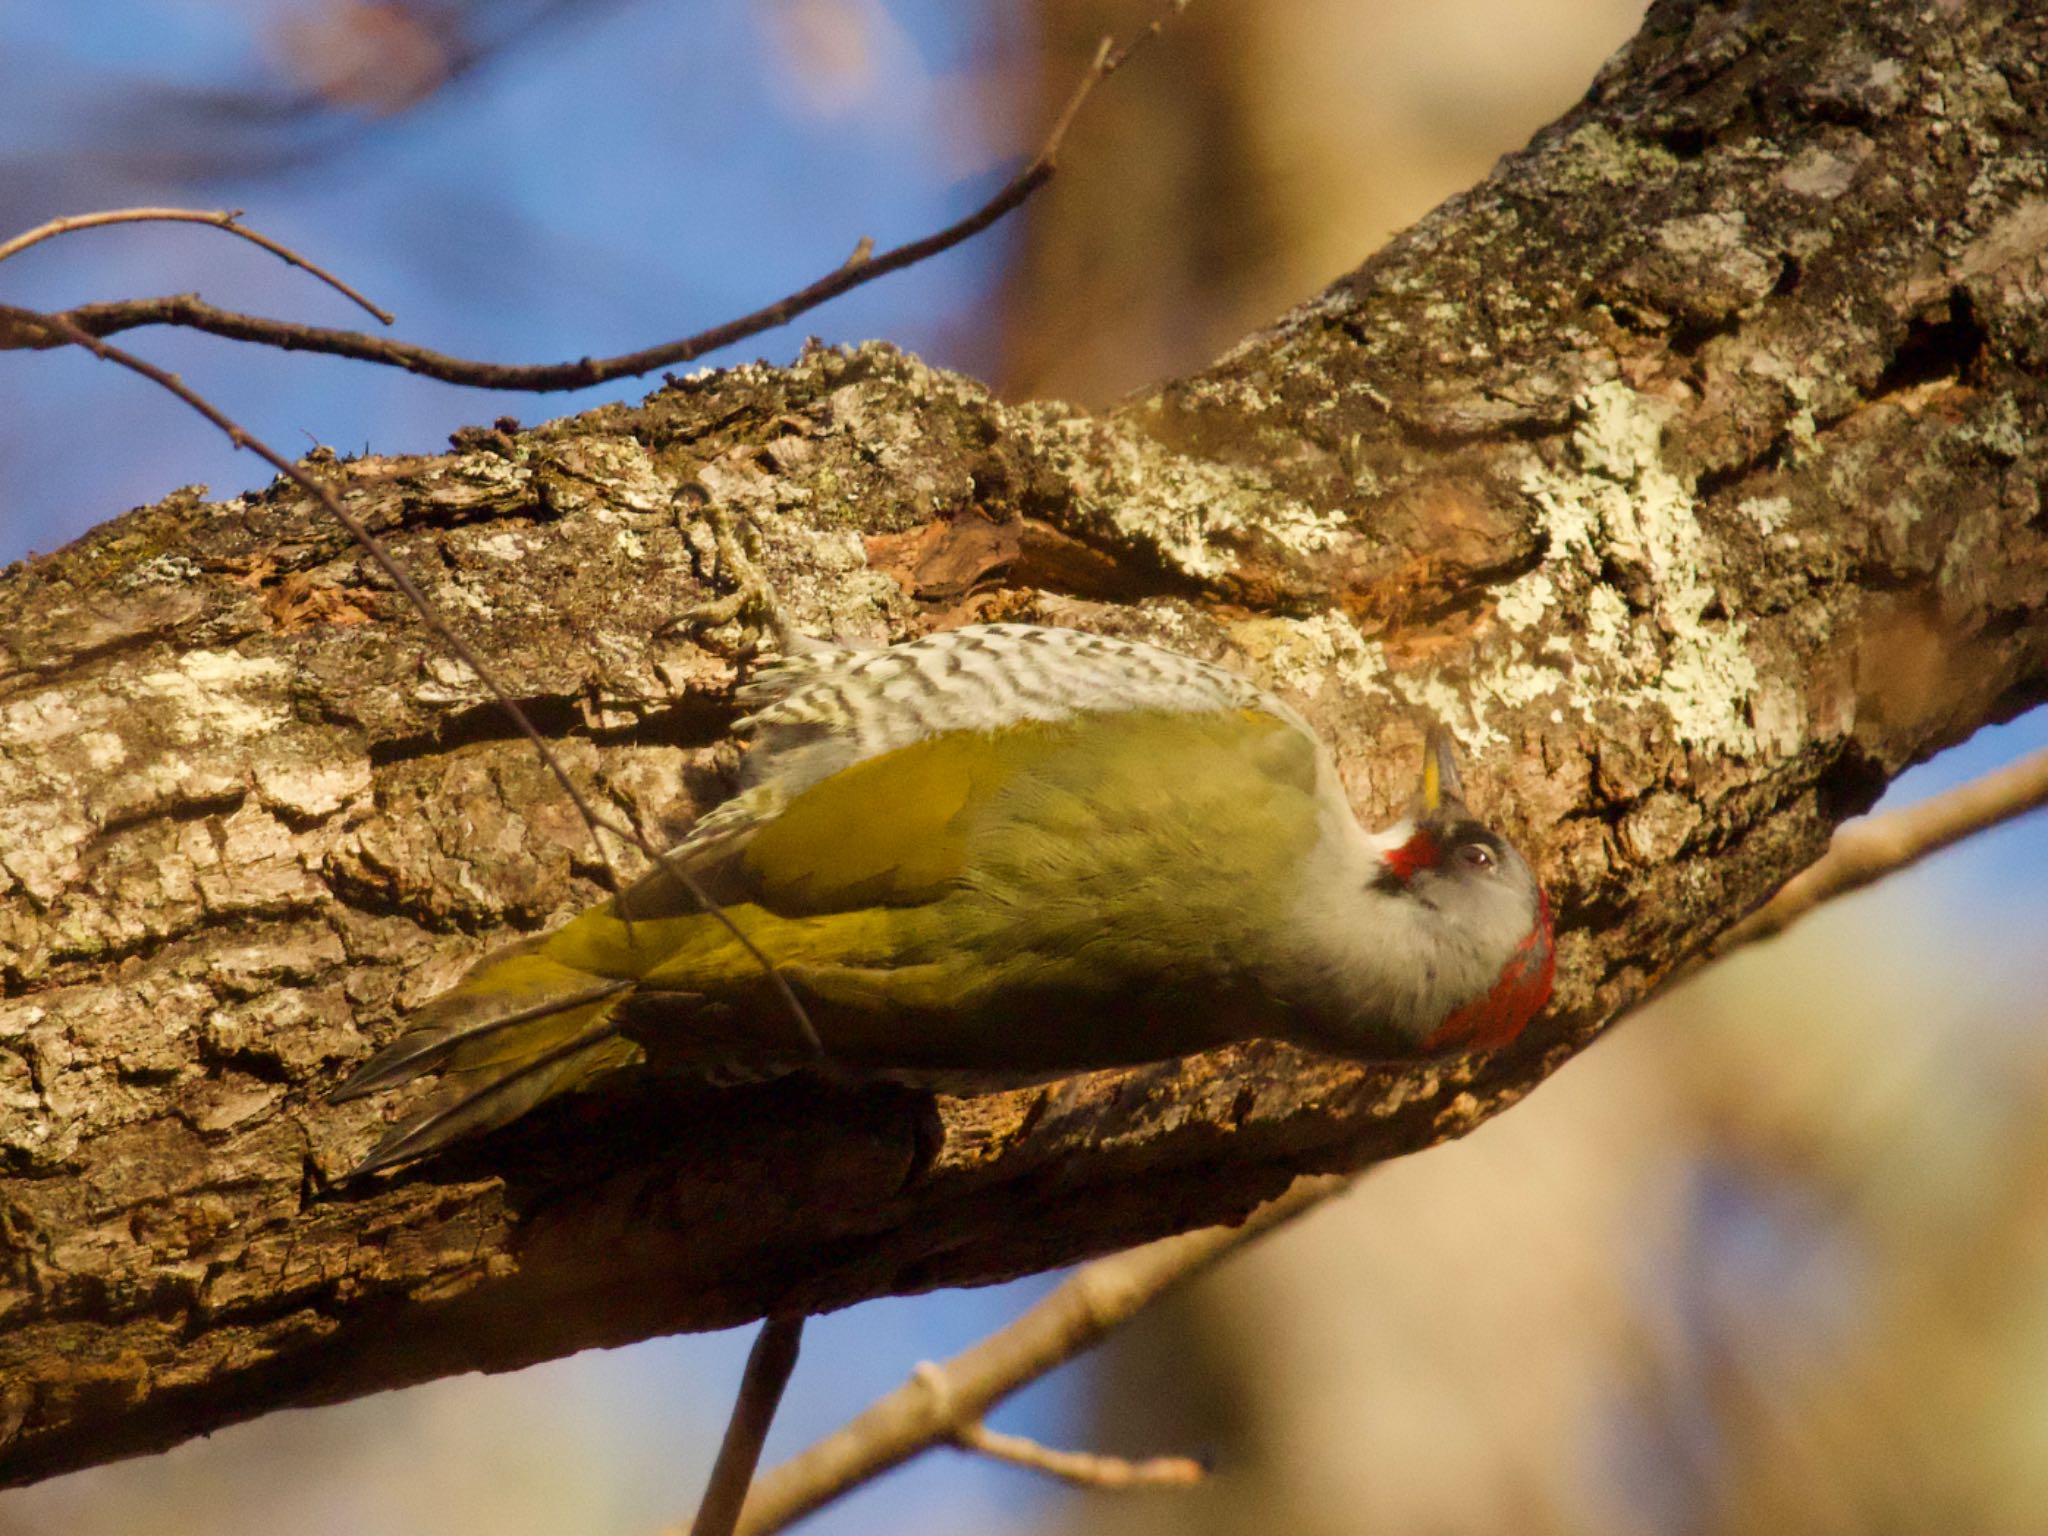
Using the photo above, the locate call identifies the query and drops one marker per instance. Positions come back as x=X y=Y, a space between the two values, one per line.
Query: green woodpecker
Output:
x=1003 y=854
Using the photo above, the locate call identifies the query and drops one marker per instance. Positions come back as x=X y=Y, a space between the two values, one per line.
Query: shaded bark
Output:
x=1689 y=468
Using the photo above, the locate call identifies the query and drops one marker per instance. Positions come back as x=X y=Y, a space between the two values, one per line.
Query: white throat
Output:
x=1379 y=962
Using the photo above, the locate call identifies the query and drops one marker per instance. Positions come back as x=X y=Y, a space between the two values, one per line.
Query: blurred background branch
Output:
x=222 y=219
x=1871 y=847
x=1084 y=1469
x=762 y=1384
x=940 y=1402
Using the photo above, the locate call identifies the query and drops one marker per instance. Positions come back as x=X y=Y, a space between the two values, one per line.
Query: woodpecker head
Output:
x=1474 y=911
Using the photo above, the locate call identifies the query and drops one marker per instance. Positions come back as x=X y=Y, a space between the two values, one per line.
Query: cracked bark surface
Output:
x=1690 y=468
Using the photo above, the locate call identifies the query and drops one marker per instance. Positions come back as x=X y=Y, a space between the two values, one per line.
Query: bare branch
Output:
x=228 y=219
x=938 y=1403
x=1084 y=1469
x=20 y=328
x=769 y=1364
x=1868 y=849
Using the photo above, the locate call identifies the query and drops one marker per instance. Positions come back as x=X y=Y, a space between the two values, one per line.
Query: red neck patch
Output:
x=1487 y=1023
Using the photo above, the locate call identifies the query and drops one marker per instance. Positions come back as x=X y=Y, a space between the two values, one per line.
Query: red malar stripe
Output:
x=1495 y=1020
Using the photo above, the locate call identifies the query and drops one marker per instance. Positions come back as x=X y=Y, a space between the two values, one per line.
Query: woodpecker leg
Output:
x=753 y=602
x=920 y=1108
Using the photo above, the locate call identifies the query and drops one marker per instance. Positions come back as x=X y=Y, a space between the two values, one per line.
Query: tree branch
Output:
x=942 y=1403
x=1083 y=1469
x=222 y=219
x=1672 y=466
x=1869 y=848
x=769 y=1364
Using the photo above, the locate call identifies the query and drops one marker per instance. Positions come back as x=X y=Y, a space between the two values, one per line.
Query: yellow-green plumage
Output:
x=944 y=875
x=1003 y=853
x=966 y=904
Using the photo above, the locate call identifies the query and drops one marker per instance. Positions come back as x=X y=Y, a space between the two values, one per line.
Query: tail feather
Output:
x=541 y=1018
x=469 y=1108
x=523 y=1027
x=431 y=1042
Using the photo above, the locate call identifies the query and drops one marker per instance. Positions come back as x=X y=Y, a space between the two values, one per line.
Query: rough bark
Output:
x=1689 y=467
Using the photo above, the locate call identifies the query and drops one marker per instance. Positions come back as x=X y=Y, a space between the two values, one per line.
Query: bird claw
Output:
x=753 y=603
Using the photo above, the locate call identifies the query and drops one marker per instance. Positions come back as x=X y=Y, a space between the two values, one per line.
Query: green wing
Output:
x=1136 y=860
x=1077 y=854
x=889 y=831
x=960 y=902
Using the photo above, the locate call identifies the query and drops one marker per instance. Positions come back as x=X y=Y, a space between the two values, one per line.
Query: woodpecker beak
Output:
x=1442 y=789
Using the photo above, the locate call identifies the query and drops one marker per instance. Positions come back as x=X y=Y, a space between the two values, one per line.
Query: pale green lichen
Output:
x=1998 y=430
x=1305 y=655
x=1468 y=708
x=1606 y=619
x=457 y=594
x=1767 y=512
x=1454 y=708
x=504 y=545
x=1199 y=516
x=839 y=584
x=1594 y=155
x=1625 y=542
x=1618 y=509
x=1999 y=174
x=620 y=466
x=168 y=569
x=1802 y=432
x=1521 y=603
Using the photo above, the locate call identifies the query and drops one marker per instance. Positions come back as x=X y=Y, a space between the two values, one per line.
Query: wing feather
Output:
x=820 y=712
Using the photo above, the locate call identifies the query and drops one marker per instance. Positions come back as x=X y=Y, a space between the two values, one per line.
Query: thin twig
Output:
x=1871 y=847
x=937 y=1403
x=769 y=1364
x=20 y=328
x=241 y=437
x=228 y=219
x=1084 y=1469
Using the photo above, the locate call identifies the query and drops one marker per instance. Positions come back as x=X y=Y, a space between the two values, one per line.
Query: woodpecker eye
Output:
x=1477 y=855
